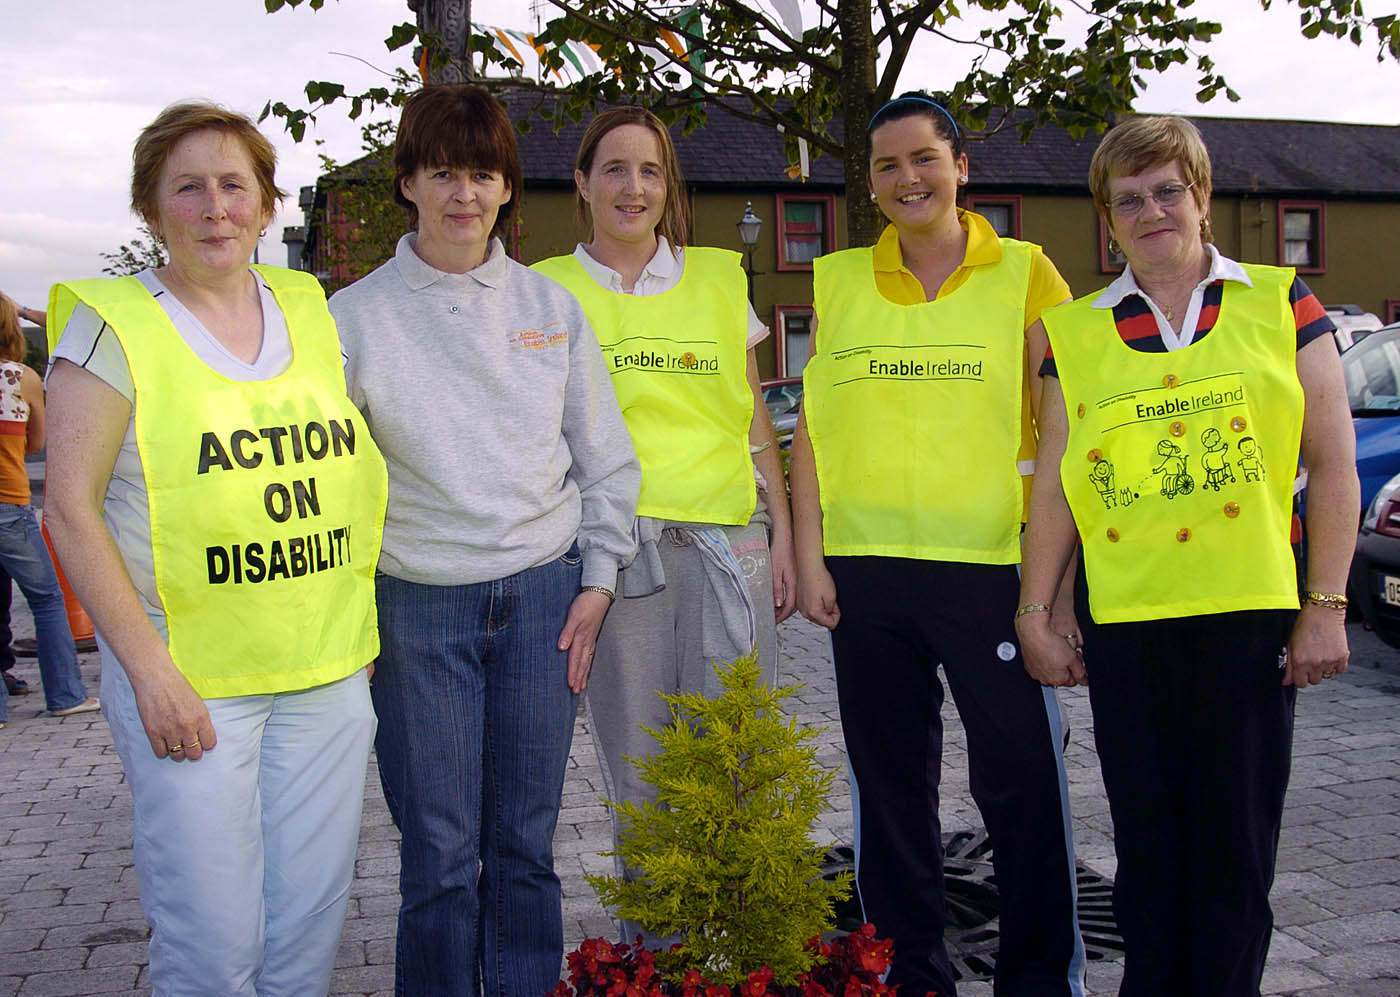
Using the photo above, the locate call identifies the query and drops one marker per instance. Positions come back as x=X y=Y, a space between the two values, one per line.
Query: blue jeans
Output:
x=475 y=722
x=26 y=559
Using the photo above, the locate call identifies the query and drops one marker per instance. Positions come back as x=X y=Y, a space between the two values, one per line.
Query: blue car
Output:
x=1372 y=369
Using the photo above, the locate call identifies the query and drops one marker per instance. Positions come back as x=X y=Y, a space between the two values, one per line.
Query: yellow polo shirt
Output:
x=1045 y=289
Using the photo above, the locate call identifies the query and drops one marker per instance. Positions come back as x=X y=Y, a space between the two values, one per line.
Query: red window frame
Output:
x=1392 y=310
x=780 y=312
x=1012 y=201
x=828 y=203
x=1107 y=264
x=1319 y=212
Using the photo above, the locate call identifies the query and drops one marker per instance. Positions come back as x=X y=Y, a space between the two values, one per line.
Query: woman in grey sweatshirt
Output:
x=512 y=488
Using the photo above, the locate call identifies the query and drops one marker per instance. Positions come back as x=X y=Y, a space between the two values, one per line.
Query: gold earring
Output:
x=1113 y=247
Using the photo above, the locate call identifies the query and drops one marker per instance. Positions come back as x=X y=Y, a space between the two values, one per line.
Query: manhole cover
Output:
x=973 y=905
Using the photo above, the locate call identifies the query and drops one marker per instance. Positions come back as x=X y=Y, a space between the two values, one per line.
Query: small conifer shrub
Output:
x=723 y=859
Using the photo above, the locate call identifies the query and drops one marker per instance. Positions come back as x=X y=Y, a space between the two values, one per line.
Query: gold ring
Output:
x=195 y=743
x=1329 y=673
x=177 y=747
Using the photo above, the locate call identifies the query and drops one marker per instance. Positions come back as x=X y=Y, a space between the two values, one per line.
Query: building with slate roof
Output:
x=1322 y=197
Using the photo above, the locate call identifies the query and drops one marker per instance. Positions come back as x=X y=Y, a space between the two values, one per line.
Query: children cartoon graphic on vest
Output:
x=1175 y=480
x=1217 y=468
x=1101 y=474
x=1251 y=460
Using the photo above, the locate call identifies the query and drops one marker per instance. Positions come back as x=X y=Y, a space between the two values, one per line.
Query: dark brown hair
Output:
x=674 y=224
x=916 y=103
x=456 y=126
x=154 y=145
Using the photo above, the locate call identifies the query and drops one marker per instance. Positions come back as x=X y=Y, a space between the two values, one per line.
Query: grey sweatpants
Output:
x=652 y=644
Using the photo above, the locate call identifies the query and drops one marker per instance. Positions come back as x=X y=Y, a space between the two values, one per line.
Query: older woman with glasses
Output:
x=1175 y=408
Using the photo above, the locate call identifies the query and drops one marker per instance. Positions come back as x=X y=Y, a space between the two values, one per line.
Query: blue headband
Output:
x=921 y=100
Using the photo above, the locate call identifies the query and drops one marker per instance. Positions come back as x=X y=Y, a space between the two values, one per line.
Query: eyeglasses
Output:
x=1165 y=196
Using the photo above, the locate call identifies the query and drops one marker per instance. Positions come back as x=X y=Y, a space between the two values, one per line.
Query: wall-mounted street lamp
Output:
x=749 y=227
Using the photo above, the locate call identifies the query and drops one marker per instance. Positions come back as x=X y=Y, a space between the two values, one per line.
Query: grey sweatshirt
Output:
x=487 y=393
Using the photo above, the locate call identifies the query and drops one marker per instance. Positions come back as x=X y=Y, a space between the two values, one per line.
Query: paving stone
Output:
x=1365 y=873
x=109 y=979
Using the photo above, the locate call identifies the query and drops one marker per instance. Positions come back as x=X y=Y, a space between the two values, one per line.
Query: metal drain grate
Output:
x=973 y=905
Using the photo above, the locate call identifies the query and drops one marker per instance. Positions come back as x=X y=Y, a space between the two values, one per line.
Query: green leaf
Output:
x=401 y=35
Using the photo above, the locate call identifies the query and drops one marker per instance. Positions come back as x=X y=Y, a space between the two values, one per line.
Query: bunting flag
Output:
x=581 y=59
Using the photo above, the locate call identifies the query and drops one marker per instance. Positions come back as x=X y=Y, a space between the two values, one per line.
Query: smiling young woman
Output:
x=714 y=575
x=909 y=470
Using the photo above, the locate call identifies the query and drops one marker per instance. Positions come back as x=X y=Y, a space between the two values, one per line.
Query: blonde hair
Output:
x=11 y=339
x=1146 y=141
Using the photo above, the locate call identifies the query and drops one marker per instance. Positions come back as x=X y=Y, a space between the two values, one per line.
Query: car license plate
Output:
x=1391 y=592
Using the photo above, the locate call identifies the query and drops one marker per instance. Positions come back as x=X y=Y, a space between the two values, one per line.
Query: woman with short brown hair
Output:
x=1176 y=407
x=512 y=484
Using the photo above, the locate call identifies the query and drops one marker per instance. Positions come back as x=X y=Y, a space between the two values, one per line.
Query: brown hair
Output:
x=11 y=339
x=158 y=139
x=1146 y=141
x=457 y=126
x=675 y=223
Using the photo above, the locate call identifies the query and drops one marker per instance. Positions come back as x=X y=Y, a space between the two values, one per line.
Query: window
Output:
x=805 y=226
x=1003 y=211
x=1109 y=261
x=794 y=327
x=1301 y=239
x=1392 y=310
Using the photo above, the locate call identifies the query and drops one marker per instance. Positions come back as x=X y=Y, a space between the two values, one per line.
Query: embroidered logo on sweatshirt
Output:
x=539 y=339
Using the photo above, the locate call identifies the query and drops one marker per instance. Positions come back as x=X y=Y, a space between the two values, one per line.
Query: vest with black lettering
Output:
x=679 y=365
x=914 y=412
x=267 y=498
x=1179 y=466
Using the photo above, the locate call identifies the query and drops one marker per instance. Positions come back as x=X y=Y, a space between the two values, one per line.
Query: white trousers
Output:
x=245 y=857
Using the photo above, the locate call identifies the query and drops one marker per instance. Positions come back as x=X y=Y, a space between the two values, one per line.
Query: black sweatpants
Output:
x=1194 y=732
x=900 y=618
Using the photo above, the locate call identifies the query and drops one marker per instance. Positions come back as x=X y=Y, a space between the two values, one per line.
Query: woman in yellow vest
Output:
x=217 y=503
x=714 y=573
x=1176 y=405
x=907 y=482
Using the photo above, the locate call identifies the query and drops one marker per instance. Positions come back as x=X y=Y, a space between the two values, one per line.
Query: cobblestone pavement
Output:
x=70 y=922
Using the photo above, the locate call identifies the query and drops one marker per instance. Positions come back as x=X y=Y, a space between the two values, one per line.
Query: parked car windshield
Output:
x=1372 y=370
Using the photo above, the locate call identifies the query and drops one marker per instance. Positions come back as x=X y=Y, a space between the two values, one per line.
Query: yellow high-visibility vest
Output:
x=1179 y=466
x=266 y=498
x=679 y=365
x=914 y=412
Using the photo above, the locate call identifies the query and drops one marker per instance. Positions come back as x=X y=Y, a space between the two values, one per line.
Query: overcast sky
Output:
x=80 y=78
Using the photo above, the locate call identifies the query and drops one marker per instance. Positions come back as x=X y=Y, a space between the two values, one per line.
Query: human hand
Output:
x=816 y=596
x=175 y=718
x=784 y=565
x=580 y=635
x=1049 y=656
x=1064 y=623
x=1317 y=648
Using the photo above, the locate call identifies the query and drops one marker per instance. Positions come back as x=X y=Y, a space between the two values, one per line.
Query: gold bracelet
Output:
x=600 y=590
x=1034 y=607
x=1327 y=600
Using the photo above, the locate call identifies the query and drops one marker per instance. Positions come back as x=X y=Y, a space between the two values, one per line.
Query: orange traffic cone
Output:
x=78 y=620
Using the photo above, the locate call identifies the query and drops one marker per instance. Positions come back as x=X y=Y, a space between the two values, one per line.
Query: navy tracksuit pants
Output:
x=901 y=618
